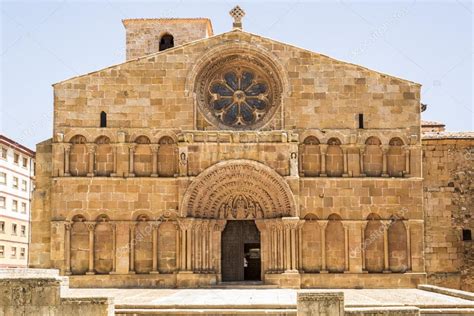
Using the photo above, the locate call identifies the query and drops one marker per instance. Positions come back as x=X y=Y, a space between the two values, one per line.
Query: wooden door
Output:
x=232 y=252
x=235 y=237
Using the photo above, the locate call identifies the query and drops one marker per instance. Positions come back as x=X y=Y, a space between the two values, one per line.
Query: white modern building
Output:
x=17 y=167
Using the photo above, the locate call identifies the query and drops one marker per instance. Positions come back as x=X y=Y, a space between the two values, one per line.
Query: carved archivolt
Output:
x=238 y=189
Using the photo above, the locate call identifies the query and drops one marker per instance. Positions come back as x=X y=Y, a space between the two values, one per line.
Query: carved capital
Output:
x=91 y=148
x=67 y=147
x=220 y=225
x=323 y=224
x=385 y=148
x=323 y=148
x=132 y=147
x=91 y=226
x=362 y=149
x=290 y=222
x=185 y=223
x=155 y=148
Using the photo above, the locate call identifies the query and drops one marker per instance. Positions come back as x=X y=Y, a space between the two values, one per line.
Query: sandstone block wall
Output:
x=143 y=35
x=38 y=292
x=448 y=171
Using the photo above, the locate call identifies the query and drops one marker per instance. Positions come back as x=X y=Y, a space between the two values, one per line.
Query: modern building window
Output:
x=3 y=202
x=2 y=251
x=22 y=253
x=15 y=182
x=16 y=158
x=25 y=162
x=23 y=207
x=23 y=185
x=13 y=252
x=15 y=206
x=23 y=230
x=3 y=178
x=14 y=228
x=2 y=227
x=4 y=153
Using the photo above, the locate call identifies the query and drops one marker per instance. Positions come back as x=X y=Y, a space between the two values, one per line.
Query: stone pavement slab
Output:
x=269 y=297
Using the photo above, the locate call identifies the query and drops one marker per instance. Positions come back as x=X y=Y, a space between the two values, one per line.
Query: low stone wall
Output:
x=323 y=303
x=383 y=311
x=38 y=292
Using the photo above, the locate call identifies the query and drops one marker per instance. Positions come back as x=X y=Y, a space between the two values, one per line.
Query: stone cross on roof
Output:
x=237 y=13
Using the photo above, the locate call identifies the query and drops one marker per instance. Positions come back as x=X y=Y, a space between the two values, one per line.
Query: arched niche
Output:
x=311 y=244
x=335 y=243
x=167 y=247
x=167 y=157
x=397 y=246
x=310 y=157
x=142 y=162
x=104 y=157
x=396 y=158
x=103 y=245
x=373 y=244
x=143 y=240
x=79 y=245
x=232 y=188
x=334 y=158
x=373 y=157
x=78 y=158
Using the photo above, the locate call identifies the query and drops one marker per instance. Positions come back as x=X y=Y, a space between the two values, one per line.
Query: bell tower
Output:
x=148 y=36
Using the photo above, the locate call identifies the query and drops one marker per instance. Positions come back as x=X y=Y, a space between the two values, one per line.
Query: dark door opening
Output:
x=252 y=262
x=240 y=252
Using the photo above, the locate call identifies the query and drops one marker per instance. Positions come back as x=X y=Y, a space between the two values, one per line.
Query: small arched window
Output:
x=103 y=119
x=166 y=41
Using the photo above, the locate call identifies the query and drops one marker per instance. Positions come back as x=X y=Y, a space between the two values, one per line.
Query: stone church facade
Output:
x=208 y=158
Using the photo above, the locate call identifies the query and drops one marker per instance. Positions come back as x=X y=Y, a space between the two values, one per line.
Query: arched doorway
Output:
x=241 y=258
x=238 y=199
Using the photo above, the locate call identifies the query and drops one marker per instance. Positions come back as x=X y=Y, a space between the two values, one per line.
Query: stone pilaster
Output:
x=155 y=227
x=91 y=148
x=131 y=157
x=91 y=229
x=384 y=160
x=154 y=163
x=361 y=160
x=67 y=154
x=323 y=149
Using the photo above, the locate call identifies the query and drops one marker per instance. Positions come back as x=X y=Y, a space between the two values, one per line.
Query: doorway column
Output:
x=216 y=235
x=290 y=226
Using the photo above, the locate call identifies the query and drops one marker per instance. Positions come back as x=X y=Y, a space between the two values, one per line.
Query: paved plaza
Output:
x=277 y=298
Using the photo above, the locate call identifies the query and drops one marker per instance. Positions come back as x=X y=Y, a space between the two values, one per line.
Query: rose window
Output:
x=238 y=91
x=239 y=98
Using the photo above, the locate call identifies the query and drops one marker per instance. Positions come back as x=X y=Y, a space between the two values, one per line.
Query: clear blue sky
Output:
x=426 y=42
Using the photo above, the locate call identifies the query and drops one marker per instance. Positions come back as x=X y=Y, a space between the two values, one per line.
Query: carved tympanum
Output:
x=238 y=189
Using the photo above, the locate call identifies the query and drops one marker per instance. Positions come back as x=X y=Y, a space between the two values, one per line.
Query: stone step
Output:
x=244 y=285
x=207 y=312
x=447 y=311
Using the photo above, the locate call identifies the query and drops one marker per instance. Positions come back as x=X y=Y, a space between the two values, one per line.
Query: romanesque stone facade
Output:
x=232 y=157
